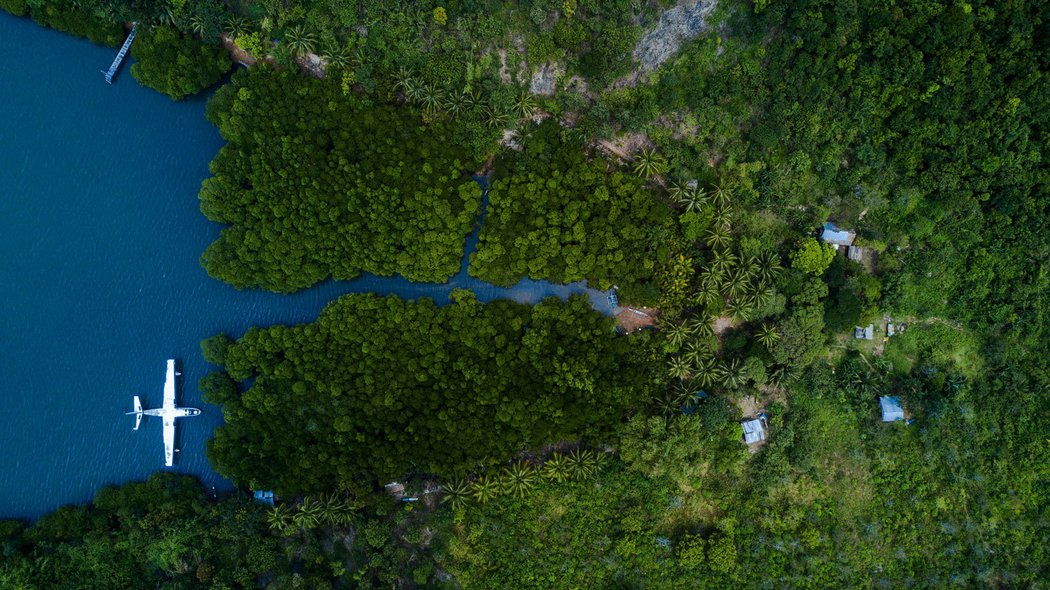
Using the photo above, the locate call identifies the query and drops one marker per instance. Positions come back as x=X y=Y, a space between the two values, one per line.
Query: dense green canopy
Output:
x=555 y=213
x=316 y=184
x=379 y=387
x=176 y=65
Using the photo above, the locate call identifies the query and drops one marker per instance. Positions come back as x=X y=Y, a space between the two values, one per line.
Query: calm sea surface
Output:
x=100 y=235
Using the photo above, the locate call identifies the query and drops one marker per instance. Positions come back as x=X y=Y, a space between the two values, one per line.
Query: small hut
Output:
x=754 y=431
x=264 y=496
x=864 y=333
x=891 y=408
x=855 y=253
x=837 y=237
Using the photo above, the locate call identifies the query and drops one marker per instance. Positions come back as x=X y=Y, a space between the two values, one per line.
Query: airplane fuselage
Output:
x=172 y=412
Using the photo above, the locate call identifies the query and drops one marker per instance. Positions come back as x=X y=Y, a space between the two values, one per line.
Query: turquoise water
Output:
x=101 y=234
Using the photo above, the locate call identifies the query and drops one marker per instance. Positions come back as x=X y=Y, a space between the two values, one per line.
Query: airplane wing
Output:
x=169 y=389
x=169 y=439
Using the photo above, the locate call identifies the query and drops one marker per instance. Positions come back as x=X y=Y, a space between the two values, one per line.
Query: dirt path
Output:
x=632 y=319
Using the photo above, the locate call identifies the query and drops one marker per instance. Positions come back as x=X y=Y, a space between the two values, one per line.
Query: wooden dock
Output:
x=120 y=55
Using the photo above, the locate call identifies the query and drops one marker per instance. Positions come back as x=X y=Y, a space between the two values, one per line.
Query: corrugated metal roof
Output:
x=753 y=431
x=834 y=235
x=891 y=408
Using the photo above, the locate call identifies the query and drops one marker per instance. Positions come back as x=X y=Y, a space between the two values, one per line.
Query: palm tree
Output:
x=779 y=376
x=345 y=513
x=717 y=237
x=525 y=105
x=337 y=57
x=485 y=488
x=739 y=309
x=767 y=335
x=722 y=194
x=723 y=218
x=309 y=514
x=679 y=368
x=197 y=25
x=494 y=118
x=696 y=199
x=582 y=463
x=735 y=284
x=768 y=267
x=430 y=97
x=708 y=294
x=519 y=479
x=689 y=197
x=729 y=373
x=677 y=192
x=556 y=468
x=403 y=78
x=749 y=266
x=279 y=518
x=706 y=372
x=456 y=494
x=473 y=99
x=697 y=352
x=300 y=41
x=413 y=90
x=701 y=326
x=723 y=262
x=456 y=103
x=676 y=332
x=669 y=404
x=235 y=26
x=648 y=163
x=167 y=16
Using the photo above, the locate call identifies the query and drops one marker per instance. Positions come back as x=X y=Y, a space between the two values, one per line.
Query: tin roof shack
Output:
x=837 y=237
x=754 y=431
x=864 y=333
x=855 y=253
x=891 y=408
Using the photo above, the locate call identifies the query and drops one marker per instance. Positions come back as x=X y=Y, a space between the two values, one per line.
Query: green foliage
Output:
x=214 y=349
x=316 y=184
x=159 y=533
x=15 y=7
x=812 y=256
x=599 y=525
x=176 y=65
x=555 y=215
x=380 y=387
x=440 y=16
x=69 y=18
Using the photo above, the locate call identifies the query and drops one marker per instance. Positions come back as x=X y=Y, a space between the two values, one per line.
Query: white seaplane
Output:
x=168 y=412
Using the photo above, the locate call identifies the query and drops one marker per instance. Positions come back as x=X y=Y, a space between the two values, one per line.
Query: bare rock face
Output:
x=545 y=79
x=681 y=23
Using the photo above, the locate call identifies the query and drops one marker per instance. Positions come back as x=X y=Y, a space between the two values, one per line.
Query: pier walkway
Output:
x=120 y=55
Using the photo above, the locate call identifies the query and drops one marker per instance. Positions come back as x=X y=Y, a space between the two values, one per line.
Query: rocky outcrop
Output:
x=545 y=79
x=679 y=24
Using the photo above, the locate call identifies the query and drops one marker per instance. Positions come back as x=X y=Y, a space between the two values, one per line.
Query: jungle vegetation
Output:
x=544 y=450
x=314 y=184
x=558 y=213
x=380 y=387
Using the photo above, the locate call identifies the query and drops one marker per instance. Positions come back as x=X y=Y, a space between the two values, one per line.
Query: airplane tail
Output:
x=137 y=412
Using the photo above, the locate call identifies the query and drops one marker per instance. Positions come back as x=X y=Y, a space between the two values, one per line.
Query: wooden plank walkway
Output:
x=120 y=55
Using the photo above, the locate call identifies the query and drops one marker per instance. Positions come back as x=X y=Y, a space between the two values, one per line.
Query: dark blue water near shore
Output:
x=100 y=236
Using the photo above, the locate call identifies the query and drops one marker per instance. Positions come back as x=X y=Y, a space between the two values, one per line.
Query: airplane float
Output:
x=168 y=412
